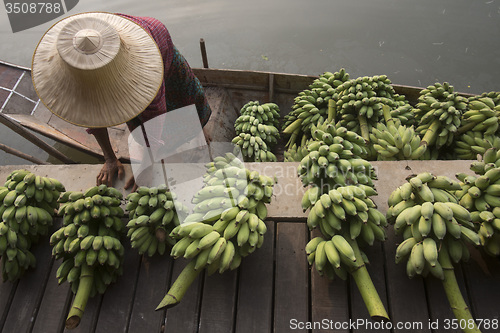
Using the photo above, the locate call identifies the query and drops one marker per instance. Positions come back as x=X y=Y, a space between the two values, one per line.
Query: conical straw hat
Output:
x=97 y=69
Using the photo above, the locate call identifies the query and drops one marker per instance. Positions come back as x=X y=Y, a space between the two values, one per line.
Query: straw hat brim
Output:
x=100 y=89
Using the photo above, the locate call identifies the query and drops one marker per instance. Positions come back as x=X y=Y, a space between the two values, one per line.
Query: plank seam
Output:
x=34 y=314
x=9 y=302
x=168 y=282
x=131 y=307
x=235 y=301
x=273 y=300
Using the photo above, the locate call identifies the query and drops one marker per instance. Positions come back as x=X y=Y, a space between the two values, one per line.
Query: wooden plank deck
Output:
x=274 y=290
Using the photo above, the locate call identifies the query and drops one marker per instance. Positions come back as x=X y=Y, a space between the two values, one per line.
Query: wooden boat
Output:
x=227 y=92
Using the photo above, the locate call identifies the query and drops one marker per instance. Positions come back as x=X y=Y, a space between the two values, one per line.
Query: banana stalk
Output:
x=363 y=125
x=331 y=111
x=431 y=133
x=180 y=286
x=457 y=302
x=387 y=115
x=366 y=288
x=81 y=298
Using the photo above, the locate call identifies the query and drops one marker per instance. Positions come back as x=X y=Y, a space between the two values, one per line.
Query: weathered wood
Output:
x=33 y=138
x=377 y=274
x=184 y=317
x=218 y=302
x=7 y=291
x=54 y=306
x=329 y=301
x=118 y=299
x=291 y=292
x=24 y=306
x=407 y=297
x=56 y=299
x=255 y=287
x=482 y=276
x=20 y=154
x=154 y=276
x=203 y=49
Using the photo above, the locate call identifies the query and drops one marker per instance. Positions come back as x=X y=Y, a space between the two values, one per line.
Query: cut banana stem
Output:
x=431 y=133
x=455 y=298
x=366 y=288
x=81 y=298
x=180 y=286
x=363 y=125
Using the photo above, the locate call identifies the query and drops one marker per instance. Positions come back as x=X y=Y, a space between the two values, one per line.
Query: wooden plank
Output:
x=154 y=276
x=482 y=276
x=329 y=301
x=184 y=317
x=255 y=287
x=29 y=292
x=291 y=292
x=54 y=306
x=9 y=75
x=408 y=304
x=359 y=312
x=218 y=303
x=7 y=291
x=118 y=299
x=439 y=307
x=56 y=299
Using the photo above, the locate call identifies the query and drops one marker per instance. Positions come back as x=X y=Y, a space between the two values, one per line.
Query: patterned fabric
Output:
x=180 y=86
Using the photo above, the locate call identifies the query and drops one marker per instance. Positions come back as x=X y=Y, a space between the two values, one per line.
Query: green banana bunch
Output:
x=403 y=113
x=153 y=214
x=396 y=142
x=483 y=116
x=311 y=106
x=295 y=153
x=481 y=195
x=360 y=102
x=438 y=114
x=256 y=131
x=335 y=158
x=426 y=212
x=489 y=230
x=28 y=205
x=435 y=231
x=227 y=222
x=468 y=145
x=91 y=231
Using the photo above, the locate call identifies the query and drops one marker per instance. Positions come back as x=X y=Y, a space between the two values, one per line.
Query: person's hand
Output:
x=131 y=184
x=108 y=172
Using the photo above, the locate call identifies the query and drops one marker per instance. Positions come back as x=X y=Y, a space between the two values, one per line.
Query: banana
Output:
x=344 y=247
x=417 y=258
x=430 y=251
x=404 y=248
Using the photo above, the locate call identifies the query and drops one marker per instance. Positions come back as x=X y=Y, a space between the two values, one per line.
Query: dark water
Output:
x=413 y=42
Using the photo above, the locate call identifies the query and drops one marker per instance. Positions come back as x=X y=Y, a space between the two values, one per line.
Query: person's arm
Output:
x=111 y=165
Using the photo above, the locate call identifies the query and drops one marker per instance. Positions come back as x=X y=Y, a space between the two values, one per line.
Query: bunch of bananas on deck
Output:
x=360 y=102
x=152 y=216
x=483 y=115
x=395 y=142
x=480 y=194
x=90 y=235
x=335 y=158
x=472 y=143
x=425 y=211
x=438 y=114
x=311 y=106
x=27 y=206
x=256 y=131
x=344 y=215
x=227 y=222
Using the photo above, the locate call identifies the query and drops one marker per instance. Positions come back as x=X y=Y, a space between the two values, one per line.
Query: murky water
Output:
x=413 y=42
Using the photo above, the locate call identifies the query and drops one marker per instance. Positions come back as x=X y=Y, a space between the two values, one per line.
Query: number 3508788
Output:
x=33 y=8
